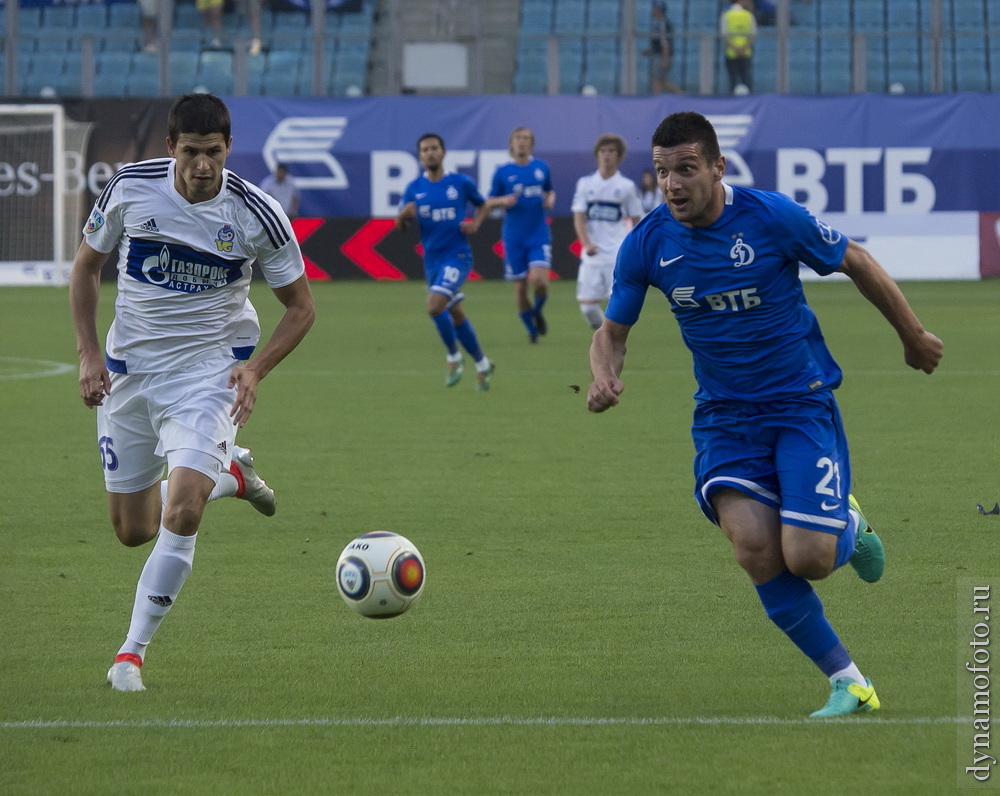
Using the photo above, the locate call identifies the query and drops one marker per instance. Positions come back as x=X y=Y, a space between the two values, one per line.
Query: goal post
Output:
x=34 y=239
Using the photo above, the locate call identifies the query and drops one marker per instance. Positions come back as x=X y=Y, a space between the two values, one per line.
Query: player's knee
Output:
x=183 y=517
x=134 y=534
x=809 y=564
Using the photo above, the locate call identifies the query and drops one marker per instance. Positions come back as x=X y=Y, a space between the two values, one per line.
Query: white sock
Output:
x=851 y=672
x=164 y=573
x=594 y=314
x=483 y=365
x=227 y=487
x=453 y=359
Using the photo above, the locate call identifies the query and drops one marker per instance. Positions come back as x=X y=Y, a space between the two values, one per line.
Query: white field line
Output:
x=483 y=721
x=48 y=368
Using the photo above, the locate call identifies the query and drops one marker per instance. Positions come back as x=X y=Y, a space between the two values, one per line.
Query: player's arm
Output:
x=471 y=227
x=84 y=292
x=580 y=226
x=607 y=357
x=300 y=311
x=549 y=199
x=406 y=212
x=921 y=349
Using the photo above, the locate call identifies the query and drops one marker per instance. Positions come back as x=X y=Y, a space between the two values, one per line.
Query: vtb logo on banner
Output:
x=308 y=140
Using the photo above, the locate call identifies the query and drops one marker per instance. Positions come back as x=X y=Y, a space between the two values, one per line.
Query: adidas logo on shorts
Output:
x=222 y=446
x=150 y=226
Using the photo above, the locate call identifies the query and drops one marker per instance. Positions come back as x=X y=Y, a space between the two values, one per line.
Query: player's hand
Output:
x=509 y=200
x=924 y=353
x=245 y=380
x=604 y=394
x=95 y=381
x=592 y=249
x=469 y=227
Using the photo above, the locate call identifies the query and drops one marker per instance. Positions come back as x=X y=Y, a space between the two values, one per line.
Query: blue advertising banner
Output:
x=856 y=154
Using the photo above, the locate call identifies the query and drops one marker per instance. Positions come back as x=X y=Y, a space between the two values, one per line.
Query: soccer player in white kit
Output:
x=178 y=374
x=606 y=205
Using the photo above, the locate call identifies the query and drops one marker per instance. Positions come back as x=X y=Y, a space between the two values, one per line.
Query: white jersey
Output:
x=184 y=269
x=609 y=204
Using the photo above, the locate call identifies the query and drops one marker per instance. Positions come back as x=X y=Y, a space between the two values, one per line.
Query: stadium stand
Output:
x=893 y=42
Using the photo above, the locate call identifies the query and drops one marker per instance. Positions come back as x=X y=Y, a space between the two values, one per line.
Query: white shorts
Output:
x=593 y=282
x=150 y=419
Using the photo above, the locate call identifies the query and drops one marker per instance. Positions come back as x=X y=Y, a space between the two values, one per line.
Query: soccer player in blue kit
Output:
x=524 y=188
x=438 y=201
x=771 y=459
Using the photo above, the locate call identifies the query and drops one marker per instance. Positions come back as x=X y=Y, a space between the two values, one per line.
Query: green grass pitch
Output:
x=583 y=628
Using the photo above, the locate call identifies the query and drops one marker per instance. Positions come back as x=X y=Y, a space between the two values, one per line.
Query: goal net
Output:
x=38 y=222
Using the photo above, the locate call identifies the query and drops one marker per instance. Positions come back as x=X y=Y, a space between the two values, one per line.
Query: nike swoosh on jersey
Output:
x=829 y=506
x=665 y=263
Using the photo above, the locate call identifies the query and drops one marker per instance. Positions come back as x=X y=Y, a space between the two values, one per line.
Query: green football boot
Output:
x=869 y=554
x=848 y=697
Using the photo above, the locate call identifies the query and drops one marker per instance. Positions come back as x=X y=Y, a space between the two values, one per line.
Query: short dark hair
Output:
x=198 y=114
x=688 y=127
x=425 y=136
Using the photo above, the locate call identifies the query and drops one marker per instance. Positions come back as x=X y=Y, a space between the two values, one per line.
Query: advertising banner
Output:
x=909 y=176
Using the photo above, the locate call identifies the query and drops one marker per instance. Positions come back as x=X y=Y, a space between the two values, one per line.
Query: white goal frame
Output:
x=56 y=270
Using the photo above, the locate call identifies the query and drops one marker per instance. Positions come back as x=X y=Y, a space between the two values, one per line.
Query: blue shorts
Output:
x=517 y=259
x=447 y=274
x=790 y=455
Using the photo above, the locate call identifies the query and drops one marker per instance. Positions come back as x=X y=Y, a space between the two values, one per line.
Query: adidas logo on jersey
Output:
x=150 y=226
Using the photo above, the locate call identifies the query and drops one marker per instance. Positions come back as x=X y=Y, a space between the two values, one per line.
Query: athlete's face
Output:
x=200 y=160
x=607 y=158
x=521 y=144
x=692 y=188
x=431 y=154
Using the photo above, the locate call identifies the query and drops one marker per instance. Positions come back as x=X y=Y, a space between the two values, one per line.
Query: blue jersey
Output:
x=525 y=221
x=441 y=209
x=734 y=288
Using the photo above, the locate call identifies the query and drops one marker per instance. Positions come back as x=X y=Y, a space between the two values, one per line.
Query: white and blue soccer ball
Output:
x=380 y=574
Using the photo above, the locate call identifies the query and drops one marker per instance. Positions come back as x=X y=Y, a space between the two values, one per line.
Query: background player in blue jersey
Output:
x=438 y=201
x=524 y=187
x=771 y=459
x=178 y=373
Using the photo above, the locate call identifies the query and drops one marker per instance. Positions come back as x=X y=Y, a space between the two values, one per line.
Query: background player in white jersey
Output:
x=606 y=205
x=178 y=373
x=772 y=468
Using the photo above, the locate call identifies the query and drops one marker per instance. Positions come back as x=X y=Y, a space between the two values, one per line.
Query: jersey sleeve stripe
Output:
x=277 y=232
x=147 y=170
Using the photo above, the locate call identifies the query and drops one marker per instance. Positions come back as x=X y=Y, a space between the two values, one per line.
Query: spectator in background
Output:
x=739 y=29
x=211 y=15
x=649 y=192
x=149 y=14
x=282 y=187
x=251 y=10
x=661 y=51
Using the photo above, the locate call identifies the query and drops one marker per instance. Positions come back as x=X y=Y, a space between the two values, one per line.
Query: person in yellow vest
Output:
x=739 y=29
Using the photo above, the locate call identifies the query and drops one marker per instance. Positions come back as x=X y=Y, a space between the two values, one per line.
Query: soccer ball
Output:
x=380 y=574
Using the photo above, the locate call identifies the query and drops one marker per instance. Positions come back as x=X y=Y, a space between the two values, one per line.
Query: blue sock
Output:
x=540 y=302
x=528 y=319
x=466 y=334
x=446 y=328
x=845 y=544
x=793 y=605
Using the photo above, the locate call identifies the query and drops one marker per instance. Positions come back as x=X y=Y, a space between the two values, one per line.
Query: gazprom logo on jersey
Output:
x=179 y=268
x=307 y=141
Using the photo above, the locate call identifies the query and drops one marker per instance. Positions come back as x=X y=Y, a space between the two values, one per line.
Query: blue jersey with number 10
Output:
x=734 y=288
x=441 y=209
